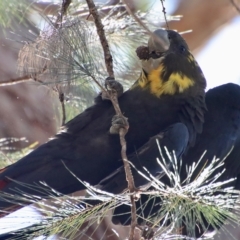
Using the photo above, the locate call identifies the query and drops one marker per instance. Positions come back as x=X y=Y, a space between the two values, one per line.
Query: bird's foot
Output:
x=113 y=87
x=118 y=122
x=148 y=232
x=137 y=194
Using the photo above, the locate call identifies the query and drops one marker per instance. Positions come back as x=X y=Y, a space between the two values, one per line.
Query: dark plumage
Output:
x=169 y=90
x=174 y=138
x=221 y=131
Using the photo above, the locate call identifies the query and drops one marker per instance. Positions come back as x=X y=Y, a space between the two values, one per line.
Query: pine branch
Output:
x=114 y=99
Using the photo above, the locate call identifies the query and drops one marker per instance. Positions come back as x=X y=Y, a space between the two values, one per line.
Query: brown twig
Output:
x=101 y=33
x=130 y=12
x=164 y=13
x=113 y=97
x=65 y=5
x=15 y=81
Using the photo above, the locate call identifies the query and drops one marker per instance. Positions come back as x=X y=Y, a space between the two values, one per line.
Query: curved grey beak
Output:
x=158 y=41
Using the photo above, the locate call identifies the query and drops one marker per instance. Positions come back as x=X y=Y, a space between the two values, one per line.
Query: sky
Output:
x=219 y=59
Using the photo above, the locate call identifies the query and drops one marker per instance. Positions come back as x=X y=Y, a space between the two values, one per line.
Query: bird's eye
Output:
x=182 y=49
x=169 y=38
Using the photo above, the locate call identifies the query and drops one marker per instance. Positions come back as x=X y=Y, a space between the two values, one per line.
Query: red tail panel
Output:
x=3 y=183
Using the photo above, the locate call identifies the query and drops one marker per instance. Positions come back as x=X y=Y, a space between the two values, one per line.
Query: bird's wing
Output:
x=174 y=138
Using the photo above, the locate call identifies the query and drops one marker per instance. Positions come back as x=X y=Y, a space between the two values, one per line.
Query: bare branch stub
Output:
x=65 y=5
x=61 y=99
x=113 y=97
x=64 y=8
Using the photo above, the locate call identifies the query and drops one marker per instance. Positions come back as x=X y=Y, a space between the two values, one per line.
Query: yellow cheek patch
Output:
x=175 y=83
x=142 y=81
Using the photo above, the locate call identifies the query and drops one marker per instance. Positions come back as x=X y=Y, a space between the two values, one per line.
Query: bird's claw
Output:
x=113 y=87
x=118 y=122
x=148 y=232
x=137 y=194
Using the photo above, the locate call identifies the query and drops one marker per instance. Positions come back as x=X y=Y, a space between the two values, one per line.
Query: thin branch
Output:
x=113 y=97
x=65 y=5
x=140 y=22
x=164 y=13
x=64 y=8
x=130 y=181
x=101 y=33
x=15 y=81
